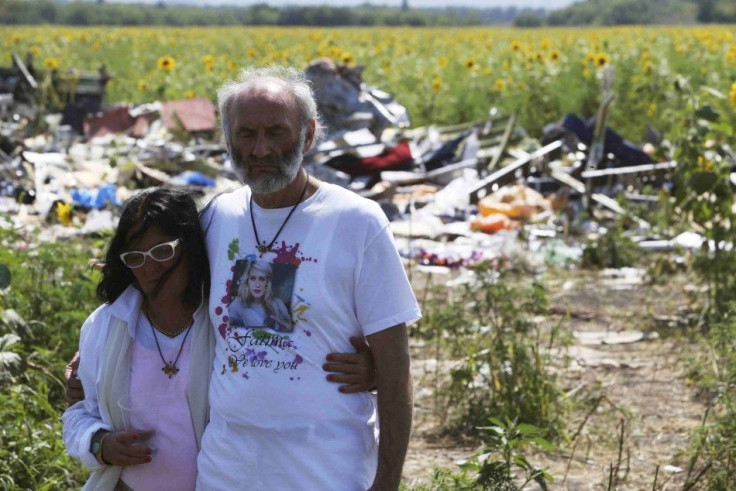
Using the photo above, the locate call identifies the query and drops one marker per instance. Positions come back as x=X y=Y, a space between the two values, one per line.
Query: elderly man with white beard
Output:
x=275 y=421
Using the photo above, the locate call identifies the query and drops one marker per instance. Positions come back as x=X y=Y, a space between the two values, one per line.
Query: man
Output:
x=275 y=423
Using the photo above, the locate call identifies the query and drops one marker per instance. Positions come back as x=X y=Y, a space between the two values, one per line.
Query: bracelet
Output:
x=102 y=440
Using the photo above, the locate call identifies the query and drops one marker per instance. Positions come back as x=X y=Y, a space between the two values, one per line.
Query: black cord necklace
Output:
x=262 y=246
x=169 y=368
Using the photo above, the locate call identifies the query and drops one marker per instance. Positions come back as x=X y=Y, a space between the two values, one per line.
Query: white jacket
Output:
x=105 y=347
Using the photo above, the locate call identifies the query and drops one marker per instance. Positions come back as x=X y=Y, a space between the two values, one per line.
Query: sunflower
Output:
x=602 y=59
x=732 y=95
x=554 y=55
x=347 y=58
x=516 y=46
x=190 y=94
x=500 y=85
x=51 y=63
x=442 y=61
x=470 y=63
x=208 y=59
x=142 y=85
x=436 y=85
x=166 y=63
x=231 y=65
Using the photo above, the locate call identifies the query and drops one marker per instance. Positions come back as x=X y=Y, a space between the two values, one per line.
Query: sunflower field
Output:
x=443 y=76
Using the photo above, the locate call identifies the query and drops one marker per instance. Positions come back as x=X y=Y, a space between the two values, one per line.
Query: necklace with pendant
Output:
x=262 y=247
x=169 y=367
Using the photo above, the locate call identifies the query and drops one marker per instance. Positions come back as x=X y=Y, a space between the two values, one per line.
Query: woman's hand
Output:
x=127 y=447
x=355 y=371
x=73 y=386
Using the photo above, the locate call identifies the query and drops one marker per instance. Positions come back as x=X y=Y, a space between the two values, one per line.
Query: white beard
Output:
x=288 y=167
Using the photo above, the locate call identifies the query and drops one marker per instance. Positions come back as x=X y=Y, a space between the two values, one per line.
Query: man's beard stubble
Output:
x=287 y=167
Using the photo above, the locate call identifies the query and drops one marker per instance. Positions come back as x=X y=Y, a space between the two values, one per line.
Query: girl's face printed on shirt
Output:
x=257 y=283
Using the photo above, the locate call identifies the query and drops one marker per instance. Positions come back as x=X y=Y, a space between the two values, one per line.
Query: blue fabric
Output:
x=96 y=199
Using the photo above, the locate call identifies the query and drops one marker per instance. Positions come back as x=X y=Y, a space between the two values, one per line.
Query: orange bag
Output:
x=493 y=223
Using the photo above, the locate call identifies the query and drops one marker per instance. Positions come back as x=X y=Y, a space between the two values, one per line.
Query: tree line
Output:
x=29 y=12
x=626 y=12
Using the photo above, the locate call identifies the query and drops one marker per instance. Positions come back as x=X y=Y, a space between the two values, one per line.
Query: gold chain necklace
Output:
x=262 y=247
x=169 y=367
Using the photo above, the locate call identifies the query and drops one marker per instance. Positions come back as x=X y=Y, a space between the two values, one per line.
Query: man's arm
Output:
x=390 y=349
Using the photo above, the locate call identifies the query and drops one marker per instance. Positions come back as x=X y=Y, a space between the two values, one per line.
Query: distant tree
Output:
x=528 y=20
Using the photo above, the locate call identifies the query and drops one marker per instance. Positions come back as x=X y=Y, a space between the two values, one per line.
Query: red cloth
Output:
x=390 y=159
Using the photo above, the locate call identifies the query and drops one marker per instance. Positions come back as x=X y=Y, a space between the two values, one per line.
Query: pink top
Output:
x=160 y=403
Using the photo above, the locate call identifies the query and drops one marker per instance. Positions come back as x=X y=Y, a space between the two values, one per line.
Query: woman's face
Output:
x=150 y=274
x=258 y=282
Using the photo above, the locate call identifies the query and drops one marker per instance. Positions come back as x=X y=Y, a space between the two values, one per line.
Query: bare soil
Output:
x=636 y=380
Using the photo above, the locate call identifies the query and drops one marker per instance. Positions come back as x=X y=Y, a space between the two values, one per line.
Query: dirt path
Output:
x=640 y=384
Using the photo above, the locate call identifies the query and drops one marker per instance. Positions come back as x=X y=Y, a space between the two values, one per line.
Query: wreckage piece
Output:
x=17 y=82
x=599 y=198
x=507 y=174
x=346 y=102
x=85 y=92
x=633 y=169
x=508 y=130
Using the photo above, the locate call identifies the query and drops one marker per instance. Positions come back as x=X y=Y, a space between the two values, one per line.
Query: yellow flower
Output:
x=651 y=109
x=208 y=59
x=436 y=85
x=142 y=85
x=488 y=71
x=500 y=85
x=166 y=63
x=64 y=213
x=190 y=94
x=442 y=61
x=704 y=164
x=51 y=63
x=516 y=46
x=554 y=55
x=347 y=58
x=732 y=95
x=232 y=66
x=470 y=63
x=34 y=50
x=602 y=59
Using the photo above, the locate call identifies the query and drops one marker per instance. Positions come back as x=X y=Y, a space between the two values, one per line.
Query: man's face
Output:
x=267 y=142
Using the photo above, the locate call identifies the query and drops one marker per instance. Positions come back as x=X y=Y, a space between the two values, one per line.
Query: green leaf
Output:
x=527 y=429
x=708 y=113
x=701 y=182
x=544 y=444
x=497 y=422
x=4 y=276
x=10 y=363
x=714 y=92
x=12 y=320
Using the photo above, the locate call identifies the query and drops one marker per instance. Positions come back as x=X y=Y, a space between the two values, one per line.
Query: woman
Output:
x=147 y=350
x=256 y=306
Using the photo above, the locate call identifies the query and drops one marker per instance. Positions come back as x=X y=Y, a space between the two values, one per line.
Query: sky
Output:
x=548 y=4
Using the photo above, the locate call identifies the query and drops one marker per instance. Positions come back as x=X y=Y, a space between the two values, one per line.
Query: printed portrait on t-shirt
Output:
x=260 y=295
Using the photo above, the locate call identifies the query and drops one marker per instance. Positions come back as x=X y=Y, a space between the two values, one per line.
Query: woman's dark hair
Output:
x=174 y=212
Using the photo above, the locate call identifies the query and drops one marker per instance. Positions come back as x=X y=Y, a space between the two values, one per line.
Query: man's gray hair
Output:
x=297 y=82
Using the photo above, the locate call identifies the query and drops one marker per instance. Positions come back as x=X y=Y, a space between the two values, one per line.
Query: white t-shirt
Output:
x=276 y=423
x=159 y=402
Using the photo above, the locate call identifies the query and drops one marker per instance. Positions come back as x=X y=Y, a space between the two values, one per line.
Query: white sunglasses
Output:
x=159 y=253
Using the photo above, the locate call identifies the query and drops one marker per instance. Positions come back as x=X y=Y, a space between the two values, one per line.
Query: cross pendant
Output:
x=170 y=369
